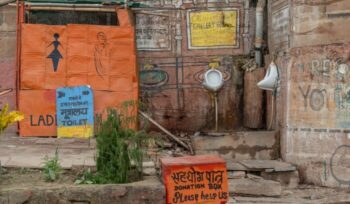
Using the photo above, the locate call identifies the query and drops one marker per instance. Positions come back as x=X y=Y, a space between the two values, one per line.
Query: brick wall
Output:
x=178 y=100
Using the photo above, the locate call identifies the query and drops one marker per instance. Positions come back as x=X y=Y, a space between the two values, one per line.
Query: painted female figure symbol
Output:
x=55 y=55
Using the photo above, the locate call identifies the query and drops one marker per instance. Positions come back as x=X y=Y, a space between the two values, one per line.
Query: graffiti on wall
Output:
x=100 y=52
x=152 y=76
x=340 y=164
x=320 y=88
x=153 y=31
x=315 y=98
x=212 y=28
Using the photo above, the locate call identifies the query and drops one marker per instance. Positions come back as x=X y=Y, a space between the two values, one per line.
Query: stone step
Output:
x=267 y=165
x=238 y=145
x=254 y=186
x=282 y=172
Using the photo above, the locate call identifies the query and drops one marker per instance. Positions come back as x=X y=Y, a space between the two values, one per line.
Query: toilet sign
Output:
x=75 y=112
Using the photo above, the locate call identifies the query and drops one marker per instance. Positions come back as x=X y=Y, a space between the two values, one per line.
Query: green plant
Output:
x=52 y=168
x=87 y=177
x=118 y=148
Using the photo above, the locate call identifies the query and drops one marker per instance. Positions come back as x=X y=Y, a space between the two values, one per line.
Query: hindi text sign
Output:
x=75 y=112
x=200 y=179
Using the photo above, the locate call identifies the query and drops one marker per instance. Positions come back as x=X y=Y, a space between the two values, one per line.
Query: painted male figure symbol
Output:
x=100 y=53
x=55 y=55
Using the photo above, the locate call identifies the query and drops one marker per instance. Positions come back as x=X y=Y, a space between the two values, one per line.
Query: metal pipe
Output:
x=110 y=10
x=216 y=112
x=178 y=36
x=259 y=14
x=64 y=5
x=246 y=35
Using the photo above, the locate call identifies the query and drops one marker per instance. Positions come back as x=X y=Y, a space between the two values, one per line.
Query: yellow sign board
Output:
x=212 y=28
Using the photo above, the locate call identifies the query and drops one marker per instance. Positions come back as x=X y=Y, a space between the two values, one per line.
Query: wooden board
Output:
x=253 y=99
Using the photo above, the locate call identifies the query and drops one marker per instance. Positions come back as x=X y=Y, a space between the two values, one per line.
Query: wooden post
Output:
x=253 y=99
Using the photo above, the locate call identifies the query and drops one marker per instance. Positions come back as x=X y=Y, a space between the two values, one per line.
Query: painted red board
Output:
x=195 y=179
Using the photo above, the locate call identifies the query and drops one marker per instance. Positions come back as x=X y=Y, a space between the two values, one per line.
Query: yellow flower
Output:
x=7 y=119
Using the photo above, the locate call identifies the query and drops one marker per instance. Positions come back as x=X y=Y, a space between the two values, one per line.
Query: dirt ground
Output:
x=25 y=177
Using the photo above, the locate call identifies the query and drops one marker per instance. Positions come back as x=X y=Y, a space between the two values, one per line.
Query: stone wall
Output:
x=315 y=89
x=8 y=57
x=144 y=192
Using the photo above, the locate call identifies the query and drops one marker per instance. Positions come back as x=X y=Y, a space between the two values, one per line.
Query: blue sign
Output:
x=75 y=112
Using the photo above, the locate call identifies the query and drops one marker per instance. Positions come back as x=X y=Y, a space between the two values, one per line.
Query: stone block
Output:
x=235 y=166
x=148 y=164
x=236 y=174
x=239 y=145
x=255 y=187
x=289 y=179
x=195 y=179
x=149 y=171
x=267 y=165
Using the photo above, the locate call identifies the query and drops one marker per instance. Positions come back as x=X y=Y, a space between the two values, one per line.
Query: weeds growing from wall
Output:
x=86 y=177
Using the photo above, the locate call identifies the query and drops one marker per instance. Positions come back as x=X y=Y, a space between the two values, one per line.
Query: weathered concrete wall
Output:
x=8 y=57
x=317 y=22
x=173 y=57
x=314 y=119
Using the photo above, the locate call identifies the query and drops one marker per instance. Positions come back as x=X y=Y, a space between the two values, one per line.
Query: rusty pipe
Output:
x=259 y=28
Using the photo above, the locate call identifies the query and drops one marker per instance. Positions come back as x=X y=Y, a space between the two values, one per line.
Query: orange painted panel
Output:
x=195 y=179
x=39 y=108
x=43 y=56
x=103 y=57
x=64 y=51
x=124 y=17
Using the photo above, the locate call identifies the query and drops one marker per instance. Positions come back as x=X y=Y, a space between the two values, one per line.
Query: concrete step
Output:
x=282 y=172
x=254 y=186
x=238 y=145
x=267 y=165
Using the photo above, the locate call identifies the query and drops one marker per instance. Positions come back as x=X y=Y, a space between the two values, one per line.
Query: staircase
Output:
x=253 y=163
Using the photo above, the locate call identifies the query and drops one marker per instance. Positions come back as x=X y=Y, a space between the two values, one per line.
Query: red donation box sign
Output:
x=195 y=179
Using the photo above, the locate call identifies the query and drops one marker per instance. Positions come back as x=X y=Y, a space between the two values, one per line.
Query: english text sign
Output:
x=75 y=112
x=195 y=179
